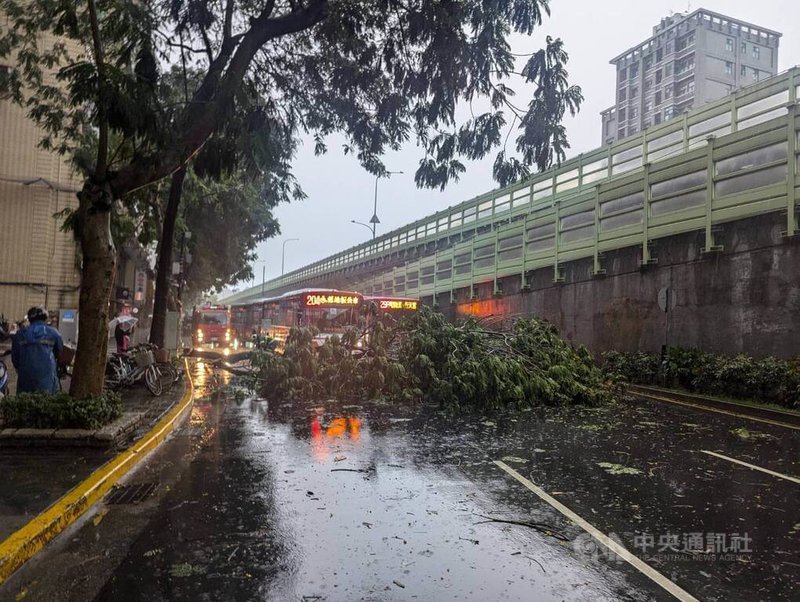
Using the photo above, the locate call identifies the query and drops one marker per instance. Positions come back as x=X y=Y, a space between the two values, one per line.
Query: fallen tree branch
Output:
x=540 y=527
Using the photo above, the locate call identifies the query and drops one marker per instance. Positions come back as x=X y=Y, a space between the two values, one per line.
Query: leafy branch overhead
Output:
x=381 y=72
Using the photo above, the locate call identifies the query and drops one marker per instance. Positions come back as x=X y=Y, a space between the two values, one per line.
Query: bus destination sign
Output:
x=398 y=304
x=331 y=300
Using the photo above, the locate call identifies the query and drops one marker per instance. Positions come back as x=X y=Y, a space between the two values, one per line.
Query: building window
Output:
x=684 y=65
x=728 y=68
x=648 y=106
x=685 y=88
x=648 y=84
x=634 y=112
x=668 y=92
x=659 y=55
x=684 y=42
x=668 y=70
x=621 y=115
x=744 y=47
x=648 y=62
x=623 y=74
x=634 y=91
x=658 y=98
x=659 y=76
x=632 y=130
x=623 y=94
x=755 y=74
x=634 y=70
x=743 y=71
x=668 y=113
x=657 y=118
x=729 y=44
x=756 y=52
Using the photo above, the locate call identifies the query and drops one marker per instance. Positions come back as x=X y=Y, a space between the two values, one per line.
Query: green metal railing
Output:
x=730 y=159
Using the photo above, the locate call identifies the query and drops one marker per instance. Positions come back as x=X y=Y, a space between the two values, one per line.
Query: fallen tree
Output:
x=464 y=365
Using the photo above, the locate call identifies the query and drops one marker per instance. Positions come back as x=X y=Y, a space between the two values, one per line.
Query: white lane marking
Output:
x=604 y=539
x=752 y=466
x=702 y=408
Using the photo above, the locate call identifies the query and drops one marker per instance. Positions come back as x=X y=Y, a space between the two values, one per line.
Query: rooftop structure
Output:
x=690 y=59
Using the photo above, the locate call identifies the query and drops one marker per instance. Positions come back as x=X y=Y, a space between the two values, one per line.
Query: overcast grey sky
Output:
x=339 y=190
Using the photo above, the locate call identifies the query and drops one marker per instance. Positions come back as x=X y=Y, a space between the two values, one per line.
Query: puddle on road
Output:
x=367 y=512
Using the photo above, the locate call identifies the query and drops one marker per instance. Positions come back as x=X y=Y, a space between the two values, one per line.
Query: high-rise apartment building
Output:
x=690 y=59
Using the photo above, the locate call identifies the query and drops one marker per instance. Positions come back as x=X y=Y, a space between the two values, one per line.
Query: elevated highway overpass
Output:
x=729 y=166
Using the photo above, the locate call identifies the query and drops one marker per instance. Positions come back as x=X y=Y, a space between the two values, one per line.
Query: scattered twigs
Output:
x=540 y=527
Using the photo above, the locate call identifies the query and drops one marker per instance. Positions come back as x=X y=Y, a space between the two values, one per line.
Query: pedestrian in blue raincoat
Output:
x=34 y=352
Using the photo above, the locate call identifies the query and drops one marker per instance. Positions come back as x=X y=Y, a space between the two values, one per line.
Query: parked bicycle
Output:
x=126 y=369
x=140 y=363
x=4 y=373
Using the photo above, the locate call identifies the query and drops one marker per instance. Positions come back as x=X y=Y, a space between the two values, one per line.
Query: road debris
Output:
x=540 y=527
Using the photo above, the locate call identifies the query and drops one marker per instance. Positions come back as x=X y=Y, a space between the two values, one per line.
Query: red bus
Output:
x=396 y=306
x=211 y=325
x=330 y=311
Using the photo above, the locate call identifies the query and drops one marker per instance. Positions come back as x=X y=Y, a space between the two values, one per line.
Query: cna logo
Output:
x=586 y=545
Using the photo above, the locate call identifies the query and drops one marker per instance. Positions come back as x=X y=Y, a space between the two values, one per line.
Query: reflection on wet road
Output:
x=339 y=502
x=331 y=501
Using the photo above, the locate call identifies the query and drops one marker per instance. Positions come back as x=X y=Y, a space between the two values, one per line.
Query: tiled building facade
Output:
x=39 y=263
x=690 y=59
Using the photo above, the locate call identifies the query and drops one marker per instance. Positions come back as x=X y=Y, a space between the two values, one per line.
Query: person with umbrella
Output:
x=123 y=331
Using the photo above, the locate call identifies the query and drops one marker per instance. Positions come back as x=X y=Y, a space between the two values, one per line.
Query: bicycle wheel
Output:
x=115 y=374
x=152 y=380
x=169 y=375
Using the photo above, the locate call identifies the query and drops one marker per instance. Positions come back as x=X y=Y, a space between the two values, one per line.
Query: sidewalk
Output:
x=35 y=477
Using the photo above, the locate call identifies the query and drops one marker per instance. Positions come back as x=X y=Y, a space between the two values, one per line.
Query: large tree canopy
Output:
x=382 y=72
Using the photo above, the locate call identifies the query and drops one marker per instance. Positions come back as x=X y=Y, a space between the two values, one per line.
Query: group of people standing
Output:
x=36 y=348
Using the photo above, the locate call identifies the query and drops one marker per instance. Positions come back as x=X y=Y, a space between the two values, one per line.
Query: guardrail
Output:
x=730 y=159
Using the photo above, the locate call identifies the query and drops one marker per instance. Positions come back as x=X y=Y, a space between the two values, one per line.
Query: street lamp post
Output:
x=374 y=219
x=283 y=252
x=367 y=226
x=263 y=273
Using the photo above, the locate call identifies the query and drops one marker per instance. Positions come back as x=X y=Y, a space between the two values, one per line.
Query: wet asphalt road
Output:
x=372 y=502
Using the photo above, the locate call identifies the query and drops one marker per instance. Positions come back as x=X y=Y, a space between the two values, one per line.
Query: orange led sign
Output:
x=332 y=299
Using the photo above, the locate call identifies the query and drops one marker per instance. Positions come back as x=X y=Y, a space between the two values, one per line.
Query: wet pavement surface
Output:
x=332 y=501
x=32 y=479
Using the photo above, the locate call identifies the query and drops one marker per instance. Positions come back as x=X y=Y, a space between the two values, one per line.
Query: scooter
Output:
x=4 y=374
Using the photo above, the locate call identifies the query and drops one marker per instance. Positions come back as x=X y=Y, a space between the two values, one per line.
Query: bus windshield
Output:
x=214 y=318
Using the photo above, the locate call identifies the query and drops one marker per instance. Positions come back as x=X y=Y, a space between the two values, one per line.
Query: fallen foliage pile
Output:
x=461 y=365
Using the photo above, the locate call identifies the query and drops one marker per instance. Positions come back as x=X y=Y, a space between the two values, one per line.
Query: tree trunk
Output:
x=164 y=269
x=97 y=281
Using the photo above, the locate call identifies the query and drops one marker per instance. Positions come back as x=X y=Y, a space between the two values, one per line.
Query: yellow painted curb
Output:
x=30 y=539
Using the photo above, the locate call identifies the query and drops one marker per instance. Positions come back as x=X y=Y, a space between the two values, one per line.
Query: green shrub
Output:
x=641 y=368
x=47 y=411
x=768 y=380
